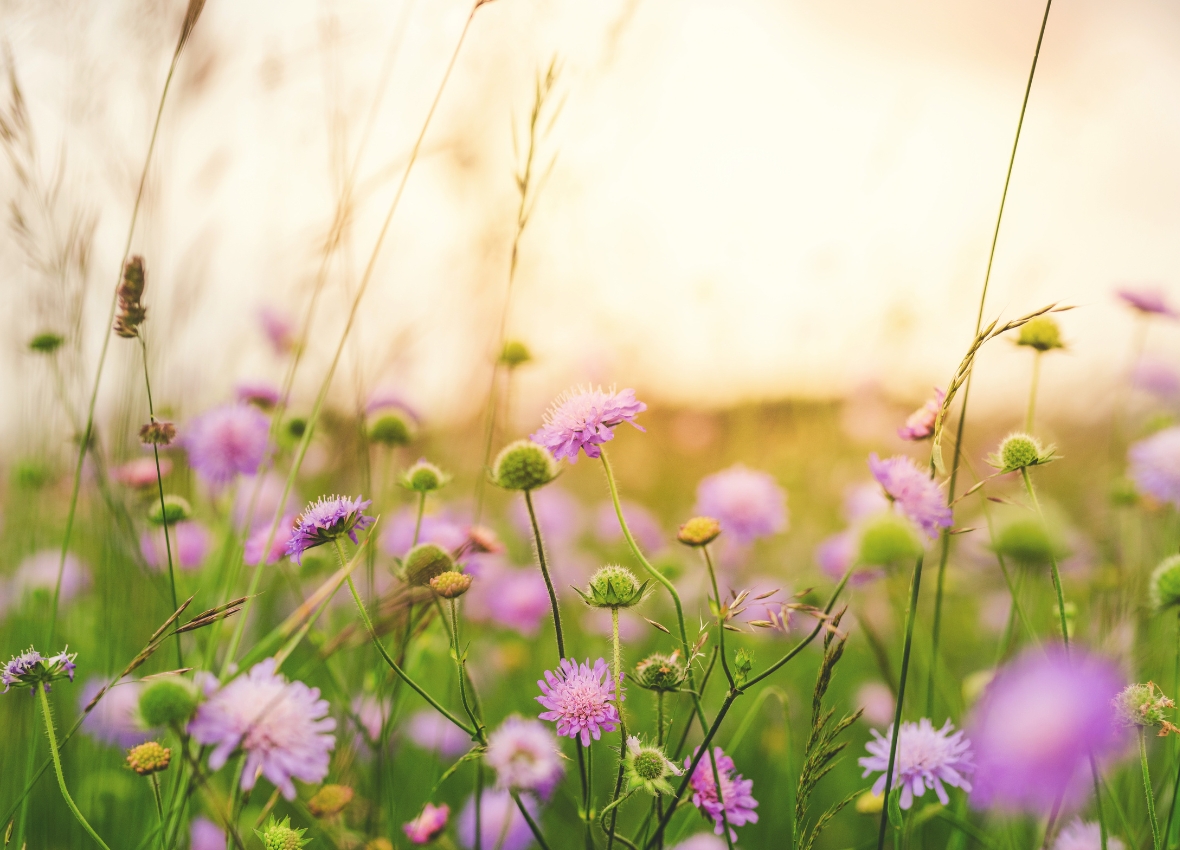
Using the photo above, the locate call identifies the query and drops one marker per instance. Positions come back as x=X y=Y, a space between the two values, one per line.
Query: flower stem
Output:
x=61 y=780
x=418 y=520
x=1032 y=494
x=462 y=666
x=1155 y=827
x=1032 y=393
x=528 y=500
x=617 y=676
x=720 y=616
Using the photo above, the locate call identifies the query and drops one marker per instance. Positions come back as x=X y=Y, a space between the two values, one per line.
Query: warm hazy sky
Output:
x=751 y=198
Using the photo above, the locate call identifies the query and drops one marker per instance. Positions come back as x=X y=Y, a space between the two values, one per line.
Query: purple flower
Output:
x=583 y=420
x=141 y=472
x=835 y=554
x=1157 y=377
x=282 y=727
x=920 y=424
x=1155 y=465
x=862 y=501
x=386 y=398
x=642 y=522
x=38 y=572
x=115 y=720
x=525 y=756
x=278 y=545
x=204 y=834
x=429 y=825
x=877 y=702
x=443 y=529
x=370 y=715
x=259 y=393
x=513 y=598
x=702 y=841
x=1037 y=725
x=33 y=670
x=926 y=758
x=580 y=699
x=1148 y=301
x=736 y=799
x=189 y=541
x=748 y=503
x=916 y=494
x=325 y=520
x=259 y=499
x=558 y=514
x=431 y=731
x=279 y=328
x=227 y=441
x=501 y=823
x=1084 y=835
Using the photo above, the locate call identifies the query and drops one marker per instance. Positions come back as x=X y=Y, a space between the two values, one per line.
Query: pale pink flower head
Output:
x=227 y=441
x=38 y=573
x=259 y=393
x=926 y=758
x=525 y=756
x=584 y=419
x=204 y=834
x=256 y=543
x=429 y=825
x=736 y=804
x=912 y=492
x=189 y=541
x=431 y=731
x=115 y=720
x=877 y=702
x=702 y=841
x=920 y=424
x=1085 y=835
x=1149 y=301
x=748 y=503
x=500 y=824
x=581 y=699
x=1155 y=465
x=141 y=472
x=282 y=727
x=279 y=328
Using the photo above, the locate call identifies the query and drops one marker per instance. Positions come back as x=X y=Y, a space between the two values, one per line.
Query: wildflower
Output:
x=425 y=562
x=482 y=540
x=648 y=768
x=584 y=419
x=920 y=424
x=559 y=516
x=46 y=342
x=171 y=510
x=130 y=294
x=1020 y=451
x=141 y=472
x=515 y=353
x=913 y=492
x=1140 y=705
x=1041 y=334
x=1165 y=583
x=749 y=504
x=888 y=540
x=424 y=477
x=516 y=599
x=148 y=758
x=278 y=835
x=279 y=329
x=282 y=726
x=877 y=702
x=443 y=528
x=661 y=672
x=1149 y=302
x=227 y=441
x=369 y=714
x=613 y=587
x=330 y=801
x=433 y=732
x=261 y=394
x=33 y=670
x=580 y=699
x=115 y=719
x=429 y=825
x=525 y=756
x=451 y=584
x=1155 y=465
x=1157 y=377
x=38 y=573
x=699 y=531
x=189 y=542
x=926 y=758
x=204 y=834
x=158 y=432
x=326 y=520
x=524 y=465
x=1085 y=835
x=252 y=554
x=501 y=823
x=702 y=841
x=169 y=701
x=392 y=429
x=1036 y=727
x=736 y=801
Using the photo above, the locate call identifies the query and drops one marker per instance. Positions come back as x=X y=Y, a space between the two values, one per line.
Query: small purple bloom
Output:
x=748 y=503
x=389 y=399
x=1148 y=301
x=1036 y=727
x=429 y=825
x=227 y=441
x=370 y=714
x=33 y=670
x=278 y=544
x=1157 y=377
x=282 y=727
x=702 y=841
x=115 y=720
x=1155 y=465
x=189 y=541
x=141 y=471
x=259 y=393
x=877 y=702
x=279 y=328
x=581 y=699
x=515 y=599
x=582 y=420
x=443 y=529
x=1085 y=835
x=916 y=494
x=642 y=522
x=736 y=801
x=431 y=731
x=204 y=834
x=920 y=424
x=38 y=573
x=525 y=756
x=501 y=823
x=926 y=758
x=325 y=520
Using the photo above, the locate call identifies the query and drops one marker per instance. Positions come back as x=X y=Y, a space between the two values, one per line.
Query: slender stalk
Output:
x=61 y=780
x=1102 y=837
x=418 y=520
x=1032 y=392
x=720 y=616
x=1148 y=792
x=1032 y=494
x=910 y=616
x=528 y=500
x=461 y=665
x=1175 y=746
x=617 y=673
x=536 y=830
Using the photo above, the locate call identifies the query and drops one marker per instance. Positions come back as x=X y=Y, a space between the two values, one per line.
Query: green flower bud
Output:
x=524 y=465
x=660 y=672
x=1144 y=706
x=515 y=353
x=424 y=477
x=1165 y=583
x=887 y=540
x=699 y=531
x=424 y=562
x=648 y=768
x=613 y=587
x=31 y=474
x=1027 y=542
x=391 y=429
x=1041 y=333
x=294 y=428
x=46 y=342
x=330 y=801
x=174 y=509
x=167 y=702
x=1020 y=451
x=278 y=835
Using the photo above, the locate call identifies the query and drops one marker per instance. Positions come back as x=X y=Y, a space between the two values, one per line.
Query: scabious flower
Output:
x=648 y=768
x=443 y=528
x=926 y=758
x=189 y=541
x=525 y=756
x=227 y=441
x=258 y=393
x=913 y=492
x=369 y=714
x=1036 y=727
x=204 y=834
x=877 y=702
x=702 y=841
x=38 y=573
x=1157 y=377
x=141 y=472
x=1151 y=302
x=148 y=758
x=584 y=419
x=282 y=726
x=325 y=520
x=582 y=700
x=516 y=599
x=748 y=503
x=1155 y=465
x=1144 y=706
x=1085 y=835
x=920 y=424
x=429 y=825
x=837 y=552
x=430 y=731
x=501 y=824
x=33 y=670
x=256 y=543
x=115 y=720
x=279 y=328
x=736 y=801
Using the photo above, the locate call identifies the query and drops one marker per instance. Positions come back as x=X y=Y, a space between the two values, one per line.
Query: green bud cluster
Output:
x=524 y=465
x=613 y=587
x=174 y=509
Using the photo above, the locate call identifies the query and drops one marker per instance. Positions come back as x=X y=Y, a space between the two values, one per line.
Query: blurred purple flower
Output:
x=260 y=393
x=1157 y=377
x=736 y=793
x=501 y=823
x=645 y=528
x=429 y=825
x=863 y=500
x=1085 y=835
x=279 y=328
x=204 y=834
x=1037 y=725
x=278 y=546
x=325 y=520
x=748 y=503
x=598 y=621
x=227 y=441
x=915 y=493
x=38 y=572
x=431 y=731
x=115 y=720
x=141 y=471
x=926 y=758
x=1155 y=465
x=558 y=514
x=877 y=701
x=582 y=700
x=267 y=502
x=1148 y=301
x=525 y=756
x=370 y=713
x=582 y=420
x=189 y=541
x=920 y=424
x=443 y=529
x=702 y=841
x=836 y=553
x=384 y=398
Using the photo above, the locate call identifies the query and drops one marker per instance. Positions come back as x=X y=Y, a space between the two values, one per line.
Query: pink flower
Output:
x=583 y=420
x=189 y=541
x=525 y=756
x=920 y=424
x=914 y=493
x=580 y=699
x=278 y=545
x=748 y=503
x=279 y=328
x=1148 y=301
x=429 y=825
x=736 y=801
x=141 y=472
x=226 y=442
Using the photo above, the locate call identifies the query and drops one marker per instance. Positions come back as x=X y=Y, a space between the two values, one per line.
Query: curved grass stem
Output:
x=61 y=780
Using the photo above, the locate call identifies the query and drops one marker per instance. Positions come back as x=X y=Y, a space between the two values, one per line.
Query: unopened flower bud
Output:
x=170 y=702
x=174 y=509
x=131 y=310
x=1020 y=451
x=660 y=672
x=451 y=584
x=424 y=477
x=278 y=835
x=391 y=429
x=1041 y=333
x=424 y=562
x=1165 y=583
x=613 y=587
x=149 y=758
x=699 y=531
x=1143 y=705
x=524 y=465
x=46 y=342
x=157 y=433
x=1027 y=542
x=515 y=353
x=889 y=539
x=330 y=801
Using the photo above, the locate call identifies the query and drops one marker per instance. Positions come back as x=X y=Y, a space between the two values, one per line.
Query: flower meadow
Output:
x=287 y=618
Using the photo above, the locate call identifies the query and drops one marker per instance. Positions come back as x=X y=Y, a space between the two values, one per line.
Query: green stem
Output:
x=1102 y=837
x=462 y=666
x=1175 y=746
x=1032 y=494
x=1032 y=393
x=528 y=500
x=616 y=673
x=418 y=521
x=720 y=616
x=61 y=780
x=1155 y=827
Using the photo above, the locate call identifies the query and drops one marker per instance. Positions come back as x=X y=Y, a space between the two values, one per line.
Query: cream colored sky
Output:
x=752 y=198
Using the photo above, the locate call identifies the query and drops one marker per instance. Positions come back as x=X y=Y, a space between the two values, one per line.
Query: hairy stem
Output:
x=1150 y=795
x=61 y=780
x=528 y=500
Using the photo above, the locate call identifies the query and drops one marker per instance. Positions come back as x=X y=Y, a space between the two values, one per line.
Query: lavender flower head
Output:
x=1085 y=835
x=279 y=328
x=702 y=841
x=283 y=727
x=920 y=424
x=748 y=503
x=926 y=758
x=559 y=515
x=370 y=714
x=1037 y=725
x=325 y=520
x=913 y=492
x=227 y=441
x=431 y=731
x=513 y=598
x=1158 y=377
x=582 y=420
x=204 y=834
x=38 y=572
x=1155 y=465
x=580 y=699
x=260 y=393
x=501 y=823
x=33 y=670
x=1150 y=302
x=736 y=804
x=429 y=825
x=141 y=471
x=115 y=720
x=256 y=543
x=525 y=756
x=189 y=541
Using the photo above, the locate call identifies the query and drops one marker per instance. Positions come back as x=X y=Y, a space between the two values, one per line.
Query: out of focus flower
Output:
x=748 y=503
x=513 y=598
x=1155 y=465
x=115 y=720
x=330 y=800
x=1157 y=377
x=169 y=701
x=141 y=472
x=877 y=702
x=33 y=670
x=736 y=801
x=836 y=553
x=189 y=541
x=515 y=353
x=279 y=328
x=256 y=543
x=443 y=528
x=429 y=825
x=148 y=758
x=431 y=731
x=920 y=424
x=1041 y=334
x=169 y=510
x=258 y=500
x=582 y=420
x=501 y=823
x=644 y=526
x=227 y=441
x=1145 y=706
x=1085 y=835
x=1165 y=583
x=370 y=713
x=326 y=520
x=157 y=433
x=204 y=834
x=424 y=477
x=648 y=768
x=525 y=756
x=258 y=393
x=863 y=500
x=282 y=726
x=386 y=398
x=913 y=492
x=38 y=573
x=702 y=841
x=1036 y=727
x=1151 y=302
x=558 y=514
x=926 y=758
x=582 y=700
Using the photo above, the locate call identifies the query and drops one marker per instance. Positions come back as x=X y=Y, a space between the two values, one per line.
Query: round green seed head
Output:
x=649 y=764
x=1026 y=542
x=524 y=465
x=1019 y=451
x=888 y=540
x=174 y=509
x=1042 y=334
x=424 y=477
x=1165 y=583
x=1143 y=705
x=660 y=672
x=167 y=702
x=391 y=430
x=614 y=587
x=515 y=353
x=426 y=561
x=699 y=531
